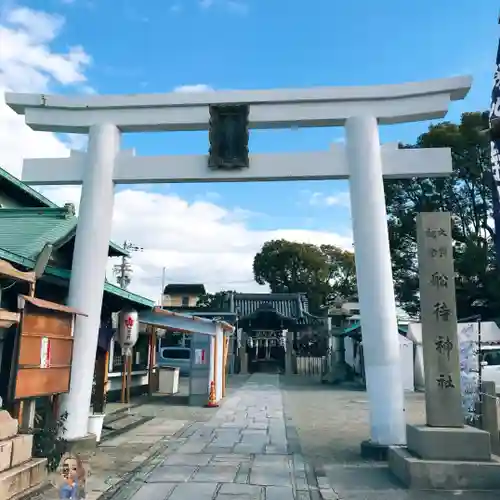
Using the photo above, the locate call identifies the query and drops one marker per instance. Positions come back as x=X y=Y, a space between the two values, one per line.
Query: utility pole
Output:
x=163 y=271
x=123 y=271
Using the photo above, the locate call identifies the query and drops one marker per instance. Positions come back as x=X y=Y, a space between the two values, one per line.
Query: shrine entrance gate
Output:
x=228 y=116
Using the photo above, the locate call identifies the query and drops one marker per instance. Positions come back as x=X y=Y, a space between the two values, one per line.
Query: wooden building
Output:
x=28 y=221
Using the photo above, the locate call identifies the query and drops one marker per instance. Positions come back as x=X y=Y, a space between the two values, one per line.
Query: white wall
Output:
x=138 y=379
x=406 y=354
x=490 y=333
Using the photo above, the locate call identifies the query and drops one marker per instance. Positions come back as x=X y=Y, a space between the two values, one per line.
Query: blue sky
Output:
x=157 y=45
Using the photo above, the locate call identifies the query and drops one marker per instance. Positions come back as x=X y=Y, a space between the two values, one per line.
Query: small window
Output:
x=185 y=301
x=176 y=353
x=492 y=357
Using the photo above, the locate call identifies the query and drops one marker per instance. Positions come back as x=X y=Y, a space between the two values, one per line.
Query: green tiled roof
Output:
x=25 y=231
x=65 y=274
x=22 y=190
x=29 y=198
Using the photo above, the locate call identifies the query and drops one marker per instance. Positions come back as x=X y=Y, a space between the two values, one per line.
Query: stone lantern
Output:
x=337 y=369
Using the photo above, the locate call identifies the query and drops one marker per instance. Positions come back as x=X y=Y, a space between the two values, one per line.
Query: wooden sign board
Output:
x=44 y=349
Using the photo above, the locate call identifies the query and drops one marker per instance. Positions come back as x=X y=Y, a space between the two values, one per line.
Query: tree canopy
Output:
x=213 y=301
x=467 y=195
x=319 y=271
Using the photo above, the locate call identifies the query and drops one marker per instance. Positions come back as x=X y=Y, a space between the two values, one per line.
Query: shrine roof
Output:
x=25 y=195
x=25 y=231
x=288 y=305
x=27 y=198
x=64 y=275
x=184 y=288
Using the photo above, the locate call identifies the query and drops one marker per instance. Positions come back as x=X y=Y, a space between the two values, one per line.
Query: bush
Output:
x=47 y=432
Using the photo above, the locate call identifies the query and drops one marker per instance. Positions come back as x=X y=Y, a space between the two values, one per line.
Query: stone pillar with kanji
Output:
x=444 y=453
x=443 y=400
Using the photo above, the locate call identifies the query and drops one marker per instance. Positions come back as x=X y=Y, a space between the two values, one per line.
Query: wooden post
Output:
x=55 y=405
x=124 y=377
x=27 y=421
x=224 y=366
x=152 y=342
x=100 y=381
x=156 y=379
x=17 y=412
x=129 y=375
x=216 y=347
x=106 y=376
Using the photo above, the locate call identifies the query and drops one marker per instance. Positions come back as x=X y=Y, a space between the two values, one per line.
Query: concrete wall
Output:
x=406 y=353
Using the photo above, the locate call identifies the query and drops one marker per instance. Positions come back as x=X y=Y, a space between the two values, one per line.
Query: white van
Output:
x=490 y=364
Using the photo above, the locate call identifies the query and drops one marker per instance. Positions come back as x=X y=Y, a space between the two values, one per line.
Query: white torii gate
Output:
x=362 y=161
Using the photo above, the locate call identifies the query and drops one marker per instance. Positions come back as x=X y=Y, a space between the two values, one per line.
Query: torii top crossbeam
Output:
x=313 y=107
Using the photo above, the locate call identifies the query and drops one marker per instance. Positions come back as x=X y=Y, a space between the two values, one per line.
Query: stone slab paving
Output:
x=242 y=452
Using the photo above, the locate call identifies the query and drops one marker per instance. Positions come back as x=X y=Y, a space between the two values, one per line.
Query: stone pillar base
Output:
x=421 y=474
x=442 y=458
x=448 y=443
x=243 y=363
x=336 y=375
x=374 y=451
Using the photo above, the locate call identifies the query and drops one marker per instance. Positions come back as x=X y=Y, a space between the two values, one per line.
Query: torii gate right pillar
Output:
x=375 y=285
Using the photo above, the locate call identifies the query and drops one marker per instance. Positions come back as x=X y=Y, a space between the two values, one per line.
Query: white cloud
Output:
x=27 y=64
x=198 y=87
x=198 y=242
x=236 y=6
x=321 y=199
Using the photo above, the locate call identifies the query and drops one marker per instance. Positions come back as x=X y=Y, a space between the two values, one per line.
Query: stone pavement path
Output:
x=241 y=453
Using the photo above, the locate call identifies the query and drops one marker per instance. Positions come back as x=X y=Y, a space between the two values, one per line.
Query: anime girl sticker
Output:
x=72 y=477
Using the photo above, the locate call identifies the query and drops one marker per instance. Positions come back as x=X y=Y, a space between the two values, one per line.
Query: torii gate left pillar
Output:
x=360 y=109
x=88 y=271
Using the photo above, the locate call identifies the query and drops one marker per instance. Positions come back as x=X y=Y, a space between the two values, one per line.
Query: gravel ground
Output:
x=331 y=423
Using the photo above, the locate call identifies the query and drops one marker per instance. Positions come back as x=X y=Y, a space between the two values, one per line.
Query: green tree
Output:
x=213 y=301
x=292 y=267
x=342 y=272
x=467 y=195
